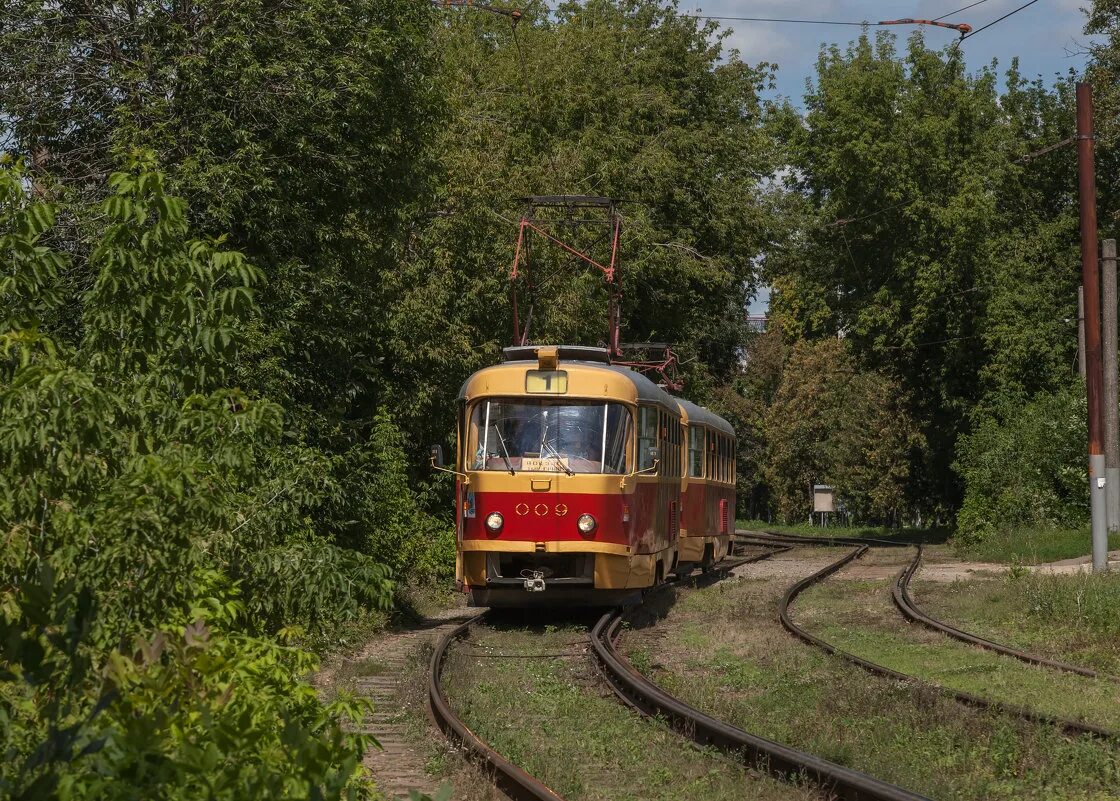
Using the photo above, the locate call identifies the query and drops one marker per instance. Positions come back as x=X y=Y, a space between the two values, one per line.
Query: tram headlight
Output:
x=586 y=524
x=494 y=521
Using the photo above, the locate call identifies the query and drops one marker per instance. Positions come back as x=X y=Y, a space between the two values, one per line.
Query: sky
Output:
x=1047 y=37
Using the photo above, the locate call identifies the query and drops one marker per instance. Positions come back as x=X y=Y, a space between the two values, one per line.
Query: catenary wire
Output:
x=1011 y=13
x=959 y=10
x=777 y=19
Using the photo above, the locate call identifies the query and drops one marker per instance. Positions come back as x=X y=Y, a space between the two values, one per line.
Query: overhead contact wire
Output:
x=1012 y=13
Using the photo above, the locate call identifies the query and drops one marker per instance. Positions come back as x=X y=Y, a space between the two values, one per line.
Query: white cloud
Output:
x=1042 y=35
x=760 y=42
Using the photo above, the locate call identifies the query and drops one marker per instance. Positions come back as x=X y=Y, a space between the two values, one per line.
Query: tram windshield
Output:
x=550 y=436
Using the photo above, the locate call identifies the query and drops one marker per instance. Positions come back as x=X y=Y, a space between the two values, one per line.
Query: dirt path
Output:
x=379 y=672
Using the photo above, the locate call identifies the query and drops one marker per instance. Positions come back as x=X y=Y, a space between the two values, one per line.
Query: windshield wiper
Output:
x=555 y=453
x=559 y=459
x=505 y=451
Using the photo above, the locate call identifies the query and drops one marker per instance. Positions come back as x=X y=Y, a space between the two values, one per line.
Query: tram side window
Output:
x=723 y=459
x=678 y=460
x=667 y=444
x=669 y=450
x=731 y=461
x=695 y=451
x=647 y=436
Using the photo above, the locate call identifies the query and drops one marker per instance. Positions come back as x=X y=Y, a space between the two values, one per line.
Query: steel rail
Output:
x=729 y=563
x=1070 y=726
x=774 y=536
x=516 y=783
x=778 y=759
x=905 y=603
x=509 y=778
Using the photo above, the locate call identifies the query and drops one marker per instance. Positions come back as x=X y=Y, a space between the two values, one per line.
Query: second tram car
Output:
x=583 y=482
x=707 y=486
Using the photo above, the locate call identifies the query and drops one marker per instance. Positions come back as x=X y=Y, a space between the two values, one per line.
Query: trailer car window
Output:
x=647 y=435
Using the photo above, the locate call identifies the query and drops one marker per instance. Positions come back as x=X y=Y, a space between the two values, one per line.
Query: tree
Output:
x=744 y=402
x=1025 y=466
x=1102 y=72
x=944 y=260
x=622 y=98
x=830 y=423
x=298 y=130
x=130 y=665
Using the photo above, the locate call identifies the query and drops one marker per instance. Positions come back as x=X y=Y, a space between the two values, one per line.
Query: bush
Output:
x=136 y=493
x=389 y=516
x=1084 y=601
x=1025 y=467
x=314 y=582
x=189 y=711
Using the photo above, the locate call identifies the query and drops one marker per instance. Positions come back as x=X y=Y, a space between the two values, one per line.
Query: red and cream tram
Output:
x=580 y=481
x=707 y=486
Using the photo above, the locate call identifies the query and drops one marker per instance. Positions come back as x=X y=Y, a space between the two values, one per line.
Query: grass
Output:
x=1028 y=546
x=857 y=616
x=1074 y=618
x=1032 y=546
x=553 y=717
x=345 y=636
x=418 y=600
x=925 y=535
x=722 y=650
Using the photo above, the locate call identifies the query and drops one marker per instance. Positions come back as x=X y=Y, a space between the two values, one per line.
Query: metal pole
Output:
x=1081 y=331
x=1090 y=280
x=1111 y=403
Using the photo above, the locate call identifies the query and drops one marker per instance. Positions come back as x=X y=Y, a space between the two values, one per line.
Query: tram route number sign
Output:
x=544 y=465
x=546 y=382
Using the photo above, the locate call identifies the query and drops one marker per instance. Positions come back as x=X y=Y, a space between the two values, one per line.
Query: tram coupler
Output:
x=533 y=580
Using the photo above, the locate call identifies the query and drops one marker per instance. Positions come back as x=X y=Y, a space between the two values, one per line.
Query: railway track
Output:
x=506 y=776
x=900 y=593
x=775 y=758
x=644 y=696
x=861 y=546
x=778 y=759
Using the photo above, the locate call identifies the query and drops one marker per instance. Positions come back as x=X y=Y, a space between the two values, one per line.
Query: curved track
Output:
x=646 y=697
x=778 y=759
x=1070 y=726
x=510 y=779
x=516 y=783
x=901 y=595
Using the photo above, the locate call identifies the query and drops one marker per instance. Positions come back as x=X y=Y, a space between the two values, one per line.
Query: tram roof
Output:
x=597 y=358
x=594 y=358
x=702 y=416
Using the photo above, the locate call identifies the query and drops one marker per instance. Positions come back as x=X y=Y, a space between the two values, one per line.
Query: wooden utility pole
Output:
x=1111 y=402
x=1090 y=280
x=1081 y=331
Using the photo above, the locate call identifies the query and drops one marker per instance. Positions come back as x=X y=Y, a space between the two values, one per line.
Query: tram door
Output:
x=544 y=462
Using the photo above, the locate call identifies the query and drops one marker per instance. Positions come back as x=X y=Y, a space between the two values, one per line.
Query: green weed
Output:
x=554 y=718
x=1031 y=546
x=725 y=653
